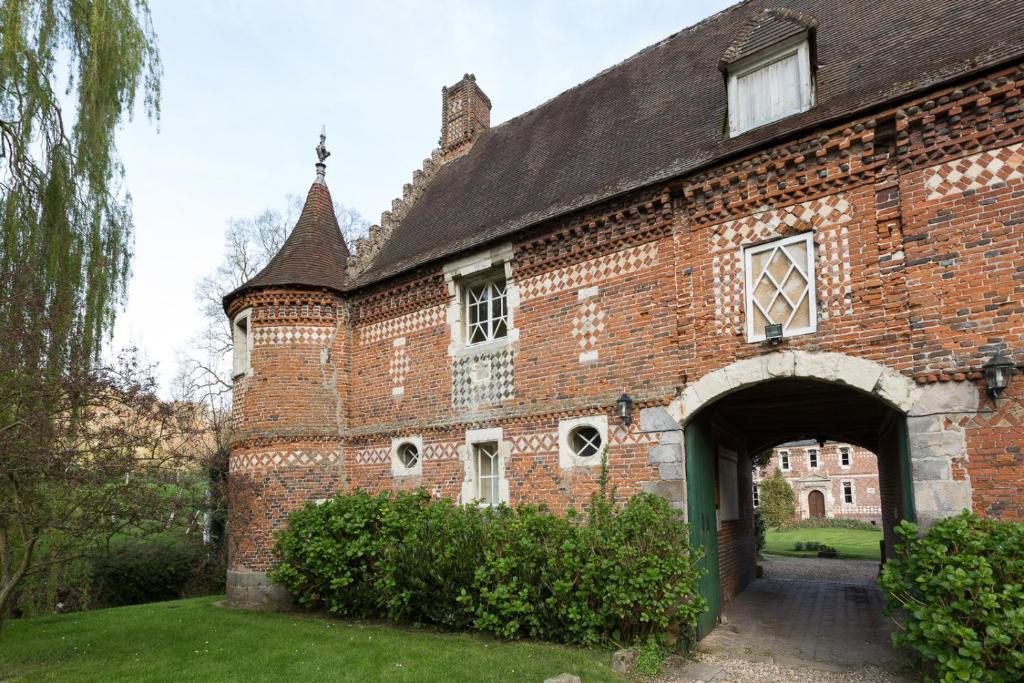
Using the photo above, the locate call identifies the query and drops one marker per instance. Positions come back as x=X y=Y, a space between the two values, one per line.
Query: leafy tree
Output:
x=65 y=251
x=777 y=500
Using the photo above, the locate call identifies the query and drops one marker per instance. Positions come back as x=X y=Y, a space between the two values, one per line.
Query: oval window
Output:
x=585 y=441
x=408 y=455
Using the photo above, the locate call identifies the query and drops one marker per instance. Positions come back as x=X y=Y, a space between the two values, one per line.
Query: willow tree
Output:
x=71 y=71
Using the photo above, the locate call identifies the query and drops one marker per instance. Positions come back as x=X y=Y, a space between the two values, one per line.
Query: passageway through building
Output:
x=723 y=437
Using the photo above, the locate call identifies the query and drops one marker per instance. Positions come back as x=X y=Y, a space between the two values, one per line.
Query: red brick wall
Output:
x=927 y=285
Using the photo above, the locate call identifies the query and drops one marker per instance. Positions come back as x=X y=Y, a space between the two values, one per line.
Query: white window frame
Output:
x=398 y=468
x=849 y=457
x=763 y=58
x=748 y=278
x=784 y=463
x=567 y=457
x=471 y=483
x=842 y=489
x=241 y=345
x=495 y=288
x=813 y=458
x=757 y=495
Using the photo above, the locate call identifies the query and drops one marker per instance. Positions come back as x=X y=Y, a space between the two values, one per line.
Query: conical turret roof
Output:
x=313 y=256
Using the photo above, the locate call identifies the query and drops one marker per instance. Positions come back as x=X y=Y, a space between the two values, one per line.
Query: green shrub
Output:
x=759 y=530
x=777 y=500
x=957 y=593
x=830 y=523
x=811 y=545
x=619 y=574
x=146 y=570
x=799 y=545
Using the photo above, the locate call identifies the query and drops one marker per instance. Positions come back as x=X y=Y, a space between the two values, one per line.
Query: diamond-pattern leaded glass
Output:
x=780 y=286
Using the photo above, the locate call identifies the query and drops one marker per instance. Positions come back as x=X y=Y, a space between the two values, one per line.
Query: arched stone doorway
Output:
x=754 y=404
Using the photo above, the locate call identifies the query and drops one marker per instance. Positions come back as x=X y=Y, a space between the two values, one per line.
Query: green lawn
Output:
x=199 y=640
x=859 y=544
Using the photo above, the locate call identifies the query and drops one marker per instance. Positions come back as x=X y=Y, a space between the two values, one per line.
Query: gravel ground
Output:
x=714 y=667
x=819 y=569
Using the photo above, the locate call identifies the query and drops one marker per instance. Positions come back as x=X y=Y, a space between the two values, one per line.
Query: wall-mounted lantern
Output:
x=773 y=333
x=997 y=371
x=625 y=408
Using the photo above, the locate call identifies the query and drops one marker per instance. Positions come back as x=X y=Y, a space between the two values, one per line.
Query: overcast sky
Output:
x=247 y=86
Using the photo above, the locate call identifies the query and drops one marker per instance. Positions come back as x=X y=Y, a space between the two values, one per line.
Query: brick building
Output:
x=781 y=223
x=829 y=479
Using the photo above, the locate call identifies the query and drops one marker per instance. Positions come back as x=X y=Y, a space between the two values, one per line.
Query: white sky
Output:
x=247 y=86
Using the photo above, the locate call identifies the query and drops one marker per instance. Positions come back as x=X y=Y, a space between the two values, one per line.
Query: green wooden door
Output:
x=700 y=503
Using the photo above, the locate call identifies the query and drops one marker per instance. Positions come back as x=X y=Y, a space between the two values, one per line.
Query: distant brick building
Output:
x=781 y=223
x=830 y=480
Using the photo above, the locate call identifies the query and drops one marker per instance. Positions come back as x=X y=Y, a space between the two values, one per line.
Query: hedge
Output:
x=621 y=573
x=957 y=594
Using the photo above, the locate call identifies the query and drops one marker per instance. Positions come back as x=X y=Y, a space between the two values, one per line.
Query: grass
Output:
x=199 y=640
x=852 y=544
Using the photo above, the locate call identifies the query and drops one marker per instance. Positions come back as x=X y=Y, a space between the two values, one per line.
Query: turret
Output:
x=288 y=328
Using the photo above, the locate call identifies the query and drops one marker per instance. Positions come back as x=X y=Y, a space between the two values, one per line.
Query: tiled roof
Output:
x=662 y=112
x=314 y=255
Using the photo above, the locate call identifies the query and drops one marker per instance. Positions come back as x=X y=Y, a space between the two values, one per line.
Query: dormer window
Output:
x=769 y=85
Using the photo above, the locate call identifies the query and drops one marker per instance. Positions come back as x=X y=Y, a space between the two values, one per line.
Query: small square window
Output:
x=241 y=341
x=812 y=458
x=784 y=461
x=771 y=85
x=486 y=311
x=779 y=278
x=848 y=492
x=844 y=457
x=487 y=463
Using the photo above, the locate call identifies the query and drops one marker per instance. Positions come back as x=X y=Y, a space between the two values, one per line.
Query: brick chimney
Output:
x=465 y=113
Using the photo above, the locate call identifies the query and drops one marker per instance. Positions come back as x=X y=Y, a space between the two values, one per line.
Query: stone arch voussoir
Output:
x=887 y=385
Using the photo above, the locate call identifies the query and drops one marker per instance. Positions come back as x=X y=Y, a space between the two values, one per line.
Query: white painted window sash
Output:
x=487 y=484
x=766 y=76
x=807 y=299
x=486 y=311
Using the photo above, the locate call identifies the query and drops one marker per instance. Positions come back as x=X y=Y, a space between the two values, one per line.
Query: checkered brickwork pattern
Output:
x=827 y=216
x=381 y=455
x=587 y=325
x=985 y=169
x=251 y=462
x=398 y=368
x=403 y=324
x=483 y=378
x=292 y=334
x=594 y=270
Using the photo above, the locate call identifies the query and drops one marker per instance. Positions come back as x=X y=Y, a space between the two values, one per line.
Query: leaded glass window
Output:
x=780 y=286
x=486 y=311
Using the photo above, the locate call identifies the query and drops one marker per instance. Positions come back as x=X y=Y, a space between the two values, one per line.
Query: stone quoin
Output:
x=782 y=223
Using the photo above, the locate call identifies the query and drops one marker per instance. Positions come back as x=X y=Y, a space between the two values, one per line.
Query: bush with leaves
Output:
x=622 y=573
x=957 y=594
x=776 y=500
x=759 y=530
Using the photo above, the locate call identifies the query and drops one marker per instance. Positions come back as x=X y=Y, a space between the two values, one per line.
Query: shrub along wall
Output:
x=958 y=595
x=618 y=574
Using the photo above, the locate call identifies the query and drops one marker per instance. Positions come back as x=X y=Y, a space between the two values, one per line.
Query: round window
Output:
x=408 y=455
x=585 y=441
